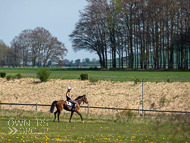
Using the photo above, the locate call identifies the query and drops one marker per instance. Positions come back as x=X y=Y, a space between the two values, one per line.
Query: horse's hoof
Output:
x=69 y=121
x=59 y=121
x=82 y=121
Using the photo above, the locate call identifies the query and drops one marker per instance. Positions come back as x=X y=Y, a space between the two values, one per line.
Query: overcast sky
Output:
x=57 y=16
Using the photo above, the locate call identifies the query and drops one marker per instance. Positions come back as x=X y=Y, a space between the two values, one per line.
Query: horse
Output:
x=61 y=104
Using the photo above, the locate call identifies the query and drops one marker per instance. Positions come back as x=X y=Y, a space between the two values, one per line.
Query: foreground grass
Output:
x=39 y=127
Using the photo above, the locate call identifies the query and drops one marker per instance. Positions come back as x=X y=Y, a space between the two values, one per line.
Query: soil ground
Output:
x=161 y=96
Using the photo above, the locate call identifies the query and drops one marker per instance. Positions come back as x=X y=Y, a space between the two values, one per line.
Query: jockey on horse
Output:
x=69 y=98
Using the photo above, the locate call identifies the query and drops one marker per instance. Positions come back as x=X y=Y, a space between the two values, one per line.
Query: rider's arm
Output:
x=69 y=96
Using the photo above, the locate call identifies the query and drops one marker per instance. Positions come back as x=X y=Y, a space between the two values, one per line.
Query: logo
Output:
x=27 y=127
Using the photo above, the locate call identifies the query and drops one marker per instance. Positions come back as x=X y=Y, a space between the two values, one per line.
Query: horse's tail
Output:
x=53 y=106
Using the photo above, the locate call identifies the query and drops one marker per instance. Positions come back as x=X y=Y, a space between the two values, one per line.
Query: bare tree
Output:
x=38 y=45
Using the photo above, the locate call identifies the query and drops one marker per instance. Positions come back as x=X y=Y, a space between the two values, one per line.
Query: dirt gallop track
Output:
x=161 y=96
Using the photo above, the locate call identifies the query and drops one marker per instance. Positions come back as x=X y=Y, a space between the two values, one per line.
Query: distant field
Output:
x=62 y=72
x=39 y=127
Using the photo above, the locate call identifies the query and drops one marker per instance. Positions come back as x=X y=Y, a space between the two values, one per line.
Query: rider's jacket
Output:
x=68 y=94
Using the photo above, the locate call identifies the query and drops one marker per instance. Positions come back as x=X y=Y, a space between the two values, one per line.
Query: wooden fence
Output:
x=93 y=107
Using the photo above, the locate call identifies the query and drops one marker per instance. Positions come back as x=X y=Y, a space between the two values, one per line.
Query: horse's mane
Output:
x=78 y=97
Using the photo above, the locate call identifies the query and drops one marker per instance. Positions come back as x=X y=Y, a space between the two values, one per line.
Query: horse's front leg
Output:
x=58 y=116
x=71 y=116
x=80 y=116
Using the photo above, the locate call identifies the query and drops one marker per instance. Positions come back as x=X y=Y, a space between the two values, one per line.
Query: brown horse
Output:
x=61 y=104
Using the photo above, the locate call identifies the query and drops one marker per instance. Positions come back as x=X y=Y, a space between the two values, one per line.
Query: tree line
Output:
x=32 y=47
x=139 y=33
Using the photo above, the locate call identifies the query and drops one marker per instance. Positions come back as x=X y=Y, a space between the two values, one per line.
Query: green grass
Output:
x=97 y=128
x=59 y=73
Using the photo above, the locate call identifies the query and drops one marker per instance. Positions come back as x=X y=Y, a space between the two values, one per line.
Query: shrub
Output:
x=43 y=74
x=93 y=80
x=152 y=105
x=136 y=80
x=84 y=76
x=18 y=76
x=9 y=77
x=168 y=80
x=2 y=74
x=162 y=100
x=123 y=116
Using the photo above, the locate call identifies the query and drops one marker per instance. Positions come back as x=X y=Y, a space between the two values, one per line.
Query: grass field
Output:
x=39 y=127
x=61 y=72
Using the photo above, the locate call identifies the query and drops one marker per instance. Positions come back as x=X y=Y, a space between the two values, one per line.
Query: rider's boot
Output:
x=73 y=107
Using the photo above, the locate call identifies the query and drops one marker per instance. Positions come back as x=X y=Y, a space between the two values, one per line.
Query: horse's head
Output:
x=84 y=99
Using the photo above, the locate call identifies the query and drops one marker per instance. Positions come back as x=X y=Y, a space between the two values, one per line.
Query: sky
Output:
x=57 y=16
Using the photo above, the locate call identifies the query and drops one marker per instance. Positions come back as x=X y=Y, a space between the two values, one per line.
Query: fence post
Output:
x=142 y=101
x=88 y=109
x=36 y=107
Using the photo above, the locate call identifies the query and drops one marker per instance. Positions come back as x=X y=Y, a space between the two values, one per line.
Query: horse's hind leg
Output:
x=80 y=115
x=55 y=115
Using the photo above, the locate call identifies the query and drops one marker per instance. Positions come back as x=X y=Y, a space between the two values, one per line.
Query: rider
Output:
x=69 y=98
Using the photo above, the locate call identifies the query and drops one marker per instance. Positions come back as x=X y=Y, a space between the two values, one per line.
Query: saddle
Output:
x=69 y=104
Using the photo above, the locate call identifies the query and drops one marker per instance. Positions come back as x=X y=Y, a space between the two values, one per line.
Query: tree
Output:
x=37 y=46
x=5 y=54
x=77 y=62
x=66 y=62
x=148 y=31
x=89 y=33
